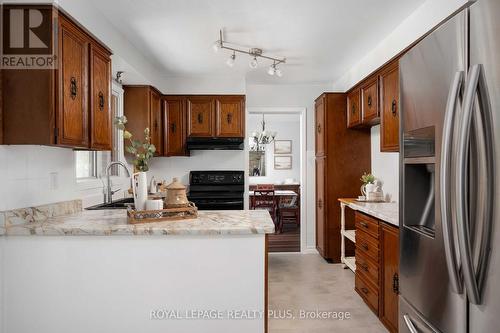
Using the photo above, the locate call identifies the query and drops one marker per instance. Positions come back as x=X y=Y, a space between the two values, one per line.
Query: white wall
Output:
x=385 y=166
x=287 y=127
x=421 y=21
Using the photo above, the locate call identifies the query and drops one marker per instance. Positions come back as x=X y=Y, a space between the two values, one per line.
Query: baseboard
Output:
x=310 y=250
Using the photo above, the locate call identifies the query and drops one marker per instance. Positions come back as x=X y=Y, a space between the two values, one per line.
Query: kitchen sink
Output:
x=118 y=204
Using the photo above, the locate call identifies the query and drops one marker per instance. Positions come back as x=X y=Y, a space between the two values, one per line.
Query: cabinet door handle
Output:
x=395 y=283
x=369 y=100
x=72 y=87
x=320 y=203
x=101 y=100
x=364 y=246
x=353 y=109
x=364 y=290
x=364 y=267
x=229 y=118
x=200 y=118
x=364 y=224
x=394 y=107
x=319 y=128
x=172 y=127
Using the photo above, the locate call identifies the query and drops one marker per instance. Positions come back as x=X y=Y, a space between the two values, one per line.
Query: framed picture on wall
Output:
x=282 y=162
x=283 y=146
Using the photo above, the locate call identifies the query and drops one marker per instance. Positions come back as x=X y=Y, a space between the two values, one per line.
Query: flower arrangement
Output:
x=367 y=178
x=142 y=151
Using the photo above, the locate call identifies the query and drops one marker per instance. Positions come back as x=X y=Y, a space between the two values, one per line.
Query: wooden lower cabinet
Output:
x=321 y=231
x=389 y=275
x=377 y=268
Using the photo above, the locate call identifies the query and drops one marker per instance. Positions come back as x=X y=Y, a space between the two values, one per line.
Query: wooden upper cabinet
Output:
x=201 y=116
x=230 y=116
x=100 y=99
x=155 y=114
x=389 y=286
x=353 y=109
x=370 y=104
x=72 y=116
x=174 y=119
x=68 y=106
x=320 y=126
x=389 y=97
x=142 y=107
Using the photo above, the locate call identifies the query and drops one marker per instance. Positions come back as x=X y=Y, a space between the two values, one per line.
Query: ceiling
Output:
x=321 y=39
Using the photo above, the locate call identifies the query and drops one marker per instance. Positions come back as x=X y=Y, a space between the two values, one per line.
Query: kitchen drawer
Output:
x=367 y=292
x=367 y=224
x=367 y=245
x=367 y=267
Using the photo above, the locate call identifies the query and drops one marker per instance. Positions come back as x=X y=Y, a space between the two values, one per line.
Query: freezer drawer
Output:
x=410 y=321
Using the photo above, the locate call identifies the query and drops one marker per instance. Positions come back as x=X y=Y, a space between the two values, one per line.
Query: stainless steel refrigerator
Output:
x=450 y=176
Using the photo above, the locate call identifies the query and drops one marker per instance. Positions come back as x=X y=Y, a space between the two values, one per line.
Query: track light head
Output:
x=231 y=60
x=253 y=63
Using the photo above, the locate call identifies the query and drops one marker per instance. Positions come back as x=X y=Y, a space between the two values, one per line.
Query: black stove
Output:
x=217 y=190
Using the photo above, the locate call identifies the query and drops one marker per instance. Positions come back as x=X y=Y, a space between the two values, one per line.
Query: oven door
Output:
x=218 y=204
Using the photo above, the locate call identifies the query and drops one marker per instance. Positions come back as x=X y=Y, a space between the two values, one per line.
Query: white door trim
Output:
x=302 y=112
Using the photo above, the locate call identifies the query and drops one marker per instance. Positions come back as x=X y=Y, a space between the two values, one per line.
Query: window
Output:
x=92 y=164
x=86 y=166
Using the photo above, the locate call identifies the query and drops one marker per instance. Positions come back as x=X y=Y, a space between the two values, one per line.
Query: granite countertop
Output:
x=73 y=221
x=385 y=211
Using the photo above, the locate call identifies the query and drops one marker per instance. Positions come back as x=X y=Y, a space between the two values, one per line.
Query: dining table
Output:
x=278 y=195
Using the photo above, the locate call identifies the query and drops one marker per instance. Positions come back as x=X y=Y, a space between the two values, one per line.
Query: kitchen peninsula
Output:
x=92 y=264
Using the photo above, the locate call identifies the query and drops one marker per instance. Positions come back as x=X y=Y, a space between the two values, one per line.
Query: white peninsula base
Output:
x=96 y=284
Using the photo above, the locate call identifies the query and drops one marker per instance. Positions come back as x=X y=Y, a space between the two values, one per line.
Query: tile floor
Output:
x=307 y=282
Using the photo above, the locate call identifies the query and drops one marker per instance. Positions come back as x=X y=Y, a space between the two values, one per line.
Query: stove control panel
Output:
x=216 y=177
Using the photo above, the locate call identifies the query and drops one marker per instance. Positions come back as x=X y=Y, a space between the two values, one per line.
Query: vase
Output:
x=140 y=189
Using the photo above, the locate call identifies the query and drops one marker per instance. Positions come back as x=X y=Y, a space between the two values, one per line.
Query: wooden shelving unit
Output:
x=348 y=262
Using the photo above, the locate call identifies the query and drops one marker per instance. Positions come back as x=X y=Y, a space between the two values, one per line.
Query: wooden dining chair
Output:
x=289 y=212
x=265 y=199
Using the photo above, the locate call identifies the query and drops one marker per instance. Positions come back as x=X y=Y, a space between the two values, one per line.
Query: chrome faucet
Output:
x=108 y=196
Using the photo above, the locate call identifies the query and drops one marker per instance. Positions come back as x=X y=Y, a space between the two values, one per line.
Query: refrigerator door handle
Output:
x=474 y=278
x=445 y=185
x=409 y=324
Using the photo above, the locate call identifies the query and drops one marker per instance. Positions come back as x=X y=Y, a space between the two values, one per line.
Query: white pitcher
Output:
x=140 y=190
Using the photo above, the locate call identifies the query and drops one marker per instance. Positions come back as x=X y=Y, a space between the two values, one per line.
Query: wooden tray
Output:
x=169 y=214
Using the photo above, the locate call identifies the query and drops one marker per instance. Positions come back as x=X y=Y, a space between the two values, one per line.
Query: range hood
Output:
x=215 y=143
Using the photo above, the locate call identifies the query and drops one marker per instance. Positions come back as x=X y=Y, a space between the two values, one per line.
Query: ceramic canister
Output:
x=176 y=195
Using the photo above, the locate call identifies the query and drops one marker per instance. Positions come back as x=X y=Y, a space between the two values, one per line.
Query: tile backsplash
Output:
x=25 y=173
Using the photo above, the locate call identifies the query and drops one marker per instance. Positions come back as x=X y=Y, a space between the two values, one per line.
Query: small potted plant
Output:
x=367 y=179
x=142 y=152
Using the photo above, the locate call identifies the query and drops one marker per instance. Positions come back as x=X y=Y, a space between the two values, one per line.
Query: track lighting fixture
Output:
x=253 y=52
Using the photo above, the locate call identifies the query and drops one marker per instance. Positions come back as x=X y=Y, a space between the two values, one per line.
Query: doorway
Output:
x=276 y=152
